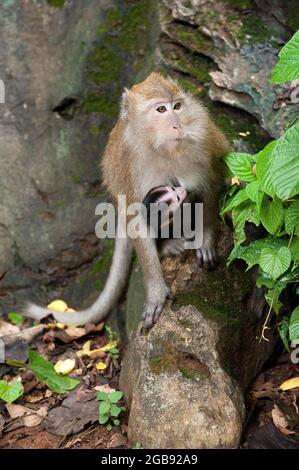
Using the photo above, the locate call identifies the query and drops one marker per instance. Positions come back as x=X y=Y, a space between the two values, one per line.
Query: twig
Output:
x=265 y=327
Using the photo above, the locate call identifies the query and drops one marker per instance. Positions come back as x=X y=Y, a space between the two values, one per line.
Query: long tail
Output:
x=108 y=298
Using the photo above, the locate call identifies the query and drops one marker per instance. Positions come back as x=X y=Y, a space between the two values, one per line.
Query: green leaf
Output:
x=236 y=200
x=116 y=422
x=241 y=165
x=294 y=325
x=16 y=363
x=263 y=279
x=288 y=65
x=254 y=192
x=273 y=295
x=109 y=427
x=104 y=407
x=285 y=164
x=44 y=371
x=114 y=397
x=263 y=168
x=16 y=318
x=251 y=253
x=115 y=410
x=10 y=392
x=292 y=217
x=272 y=213
x=294 y=247
x=275 y=262
x=240 y=216
x=283 y=330
x=103 y=419
x=102 y=396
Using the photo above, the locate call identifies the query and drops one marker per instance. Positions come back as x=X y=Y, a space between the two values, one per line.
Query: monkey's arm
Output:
x=155 y=288
x=107 y=299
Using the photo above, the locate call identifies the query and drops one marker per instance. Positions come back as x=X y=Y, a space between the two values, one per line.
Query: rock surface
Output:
x=63 y=64
x=185 y=379
x=179 y=395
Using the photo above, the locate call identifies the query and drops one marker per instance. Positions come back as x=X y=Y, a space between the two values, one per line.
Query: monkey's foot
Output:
x=172 y=247
x=206 y=256
x=152 y=310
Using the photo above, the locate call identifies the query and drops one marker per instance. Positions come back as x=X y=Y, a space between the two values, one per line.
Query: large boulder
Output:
x=184 y=380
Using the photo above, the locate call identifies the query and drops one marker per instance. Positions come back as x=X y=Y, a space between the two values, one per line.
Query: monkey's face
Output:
x=163 y=121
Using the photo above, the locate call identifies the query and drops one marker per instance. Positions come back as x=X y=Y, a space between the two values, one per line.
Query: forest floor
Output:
x=43 y=419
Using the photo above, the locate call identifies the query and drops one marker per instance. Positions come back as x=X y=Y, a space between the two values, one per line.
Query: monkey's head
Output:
x=161 y=113
x=167 y=198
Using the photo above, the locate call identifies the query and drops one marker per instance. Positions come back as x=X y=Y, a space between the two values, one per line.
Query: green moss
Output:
x=56 y=3
x=253 y=30
x=186 y=323
x=219 y=314
x=95 y=103
x=96 y=130
x=293 y=14
x=122 y=50
x=188 y=85
x=108 y=66
x=173 y=360
x=103 y=264
x=241 y=4
x=191 y=38
x=198 y=67
x=232 y=121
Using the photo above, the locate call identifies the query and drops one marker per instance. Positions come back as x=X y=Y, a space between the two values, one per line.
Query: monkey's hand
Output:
x=154 y=306
x=206 y=255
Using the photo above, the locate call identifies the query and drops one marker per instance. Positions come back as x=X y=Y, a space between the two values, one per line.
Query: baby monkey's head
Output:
x=165 y=199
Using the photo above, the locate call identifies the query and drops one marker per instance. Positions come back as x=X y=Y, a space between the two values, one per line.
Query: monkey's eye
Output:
x=177 y=106
x=161 y=109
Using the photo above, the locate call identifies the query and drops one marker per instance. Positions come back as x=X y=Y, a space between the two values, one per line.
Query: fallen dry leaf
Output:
x=8 y=329
x=30 y=418
x=75 y=332
x=35 y=418
x=16 y=411
x=280 y=421
x=101 y=366
x=290 y=384
x=35 y=396
x=58 y=306
x=65 y=367
x=104 y=388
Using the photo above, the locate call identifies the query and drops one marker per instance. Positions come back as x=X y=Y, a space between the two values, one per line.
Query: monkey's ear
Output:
x=124 y=104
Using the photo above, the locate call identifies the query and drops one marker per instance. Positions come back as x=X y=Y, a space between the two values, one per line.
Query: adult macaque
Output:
x=163 y=134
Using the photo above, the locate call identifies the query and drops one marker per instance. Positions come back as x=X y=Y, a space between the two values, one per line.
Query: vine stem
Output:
x=265 y=327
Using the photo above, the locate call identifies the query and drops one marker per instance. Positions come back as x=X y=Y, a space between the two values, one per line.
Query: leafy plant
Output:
x=138 y=445
x=16 y=318
x=10 y=392
x=268 y=197
x=44 y=371
x=112 y=335
x=109 y=409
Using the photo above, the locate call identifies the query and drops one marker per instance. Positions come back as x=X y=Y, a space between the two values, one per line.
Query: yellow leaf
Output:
x=235 y=180
x=101 y=366
x=85 y=350
x=70 y=310
x=52 y=326
x=75 y=331
x=65 y=367
x=289 y=384
x=58 y=306
x=109 y=346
